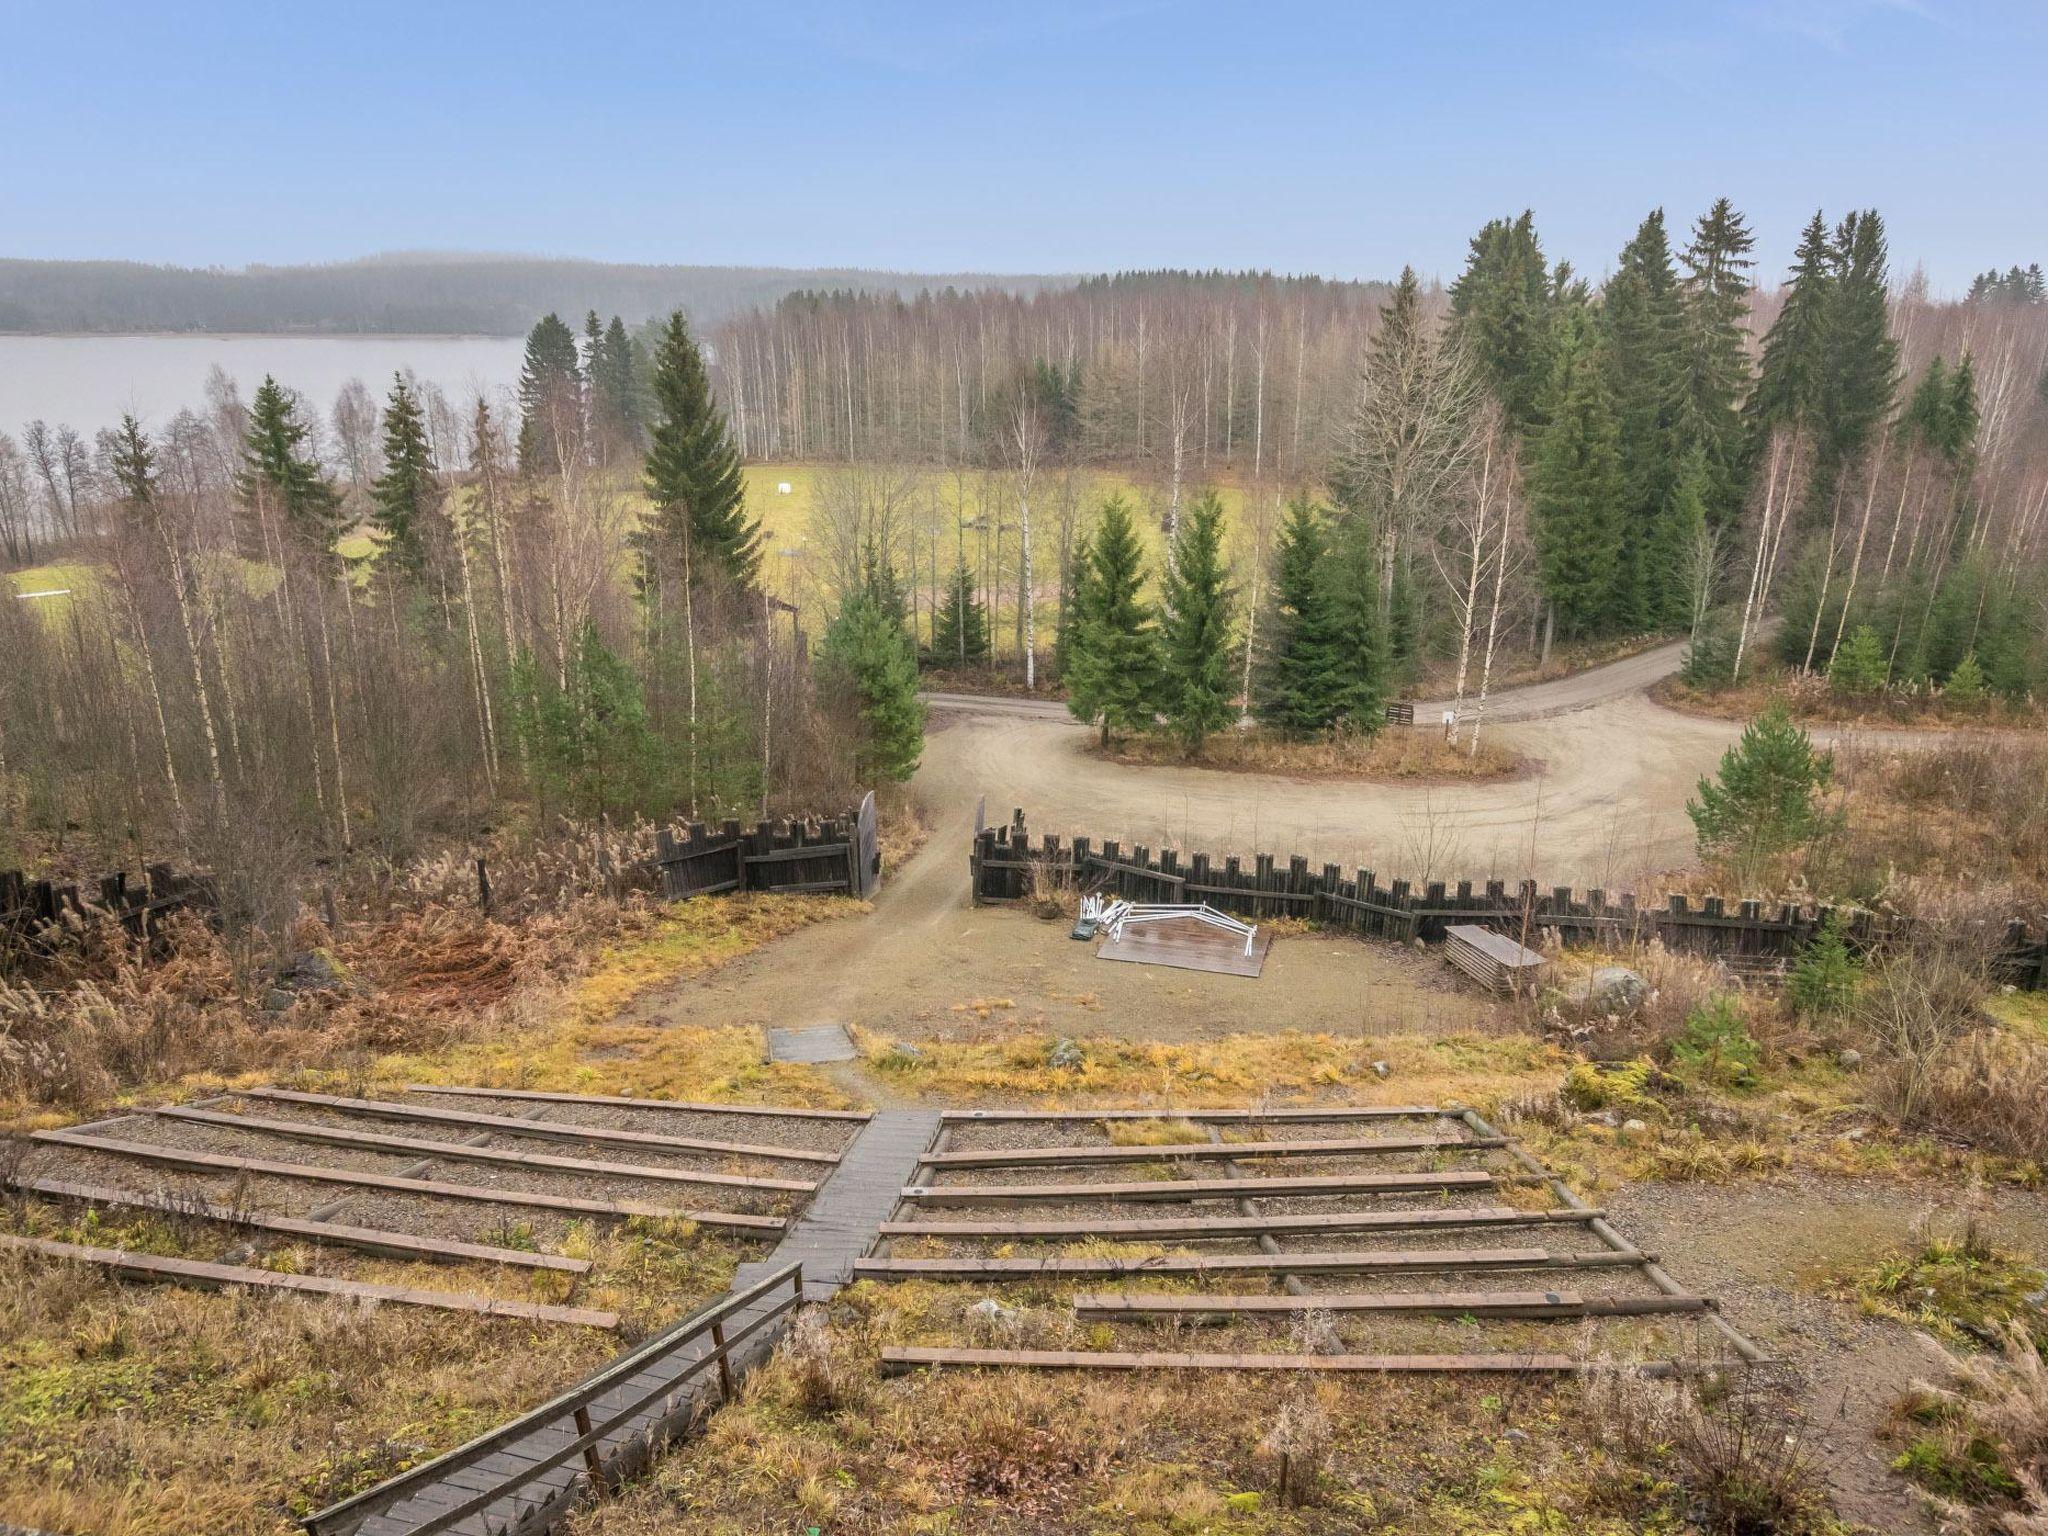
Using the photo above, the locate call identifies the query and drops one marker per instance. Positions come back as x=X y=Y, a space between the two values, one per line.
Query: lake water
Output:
x=88 y=381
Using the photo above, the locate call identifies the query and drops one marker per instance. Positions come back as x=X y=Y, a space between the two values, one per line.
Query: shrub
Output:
x=1859 y=668
x=1965 y=686
x=1725 y=1446
x=1717 y=1045
x=1823 y=980
x=1710 y=659
x=1765 y=801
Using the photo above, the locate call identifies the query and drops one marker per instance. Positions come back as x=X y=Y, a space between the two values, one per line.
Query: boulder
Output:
x=1610 y=989
x=315 y=970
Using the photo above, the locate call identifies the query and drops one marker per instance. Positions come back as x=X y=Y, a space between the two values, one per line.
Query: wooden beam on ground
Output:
x=463 y=1152
x=1332 y=1114
x=1354 y=1146
x=618 y=1101
x=1520 y=1304
x=906 y=1358
x=1197 y=1228
x=149 y=1266
x=570 y=1205
x=1198 y=1189
x=546 y=1130
x=401 y=1245
x=1391 y=1261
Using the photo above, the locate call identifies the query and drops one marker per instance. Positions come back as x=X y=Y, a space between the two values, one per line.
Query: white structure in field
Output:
x=1113 y=915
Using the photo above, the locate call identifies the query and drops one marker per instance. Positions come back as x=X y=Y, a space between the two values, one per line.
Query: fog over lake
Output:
x=88 y=381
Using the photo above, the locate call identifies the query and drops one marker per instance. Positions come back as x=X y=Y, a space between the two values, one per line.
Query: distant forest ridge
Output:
x=424 y=293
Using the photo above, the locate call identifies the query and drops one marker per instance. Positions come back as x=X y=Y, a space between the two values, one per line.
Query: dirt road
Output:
x=1605 y=807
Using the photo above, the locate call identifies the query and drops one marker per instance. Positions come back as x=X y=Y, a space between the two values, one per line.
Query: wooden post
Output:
x=724 y=1363
x=483 y=885
x=593 y=1461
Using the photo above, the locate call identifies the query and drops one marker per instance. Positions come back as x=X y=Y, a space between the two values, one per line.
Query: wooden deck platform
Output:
x=1188 y=945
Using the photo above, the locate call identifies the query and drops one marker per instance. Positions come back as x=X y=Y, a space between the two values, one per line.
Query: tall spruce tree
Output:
x=1575 y=491
x=699 y=517
x=1790 y=372
x=405 y=501
x=1195 y=624
x=1113 y=661
x=1502 y=312
x=1299 y=686
x=1715 y=369
x=1364 y=662
x=867 y=655
x=278 y=472
x=1642 y=341
x=550 y=394
x=1860 y=359
x=960 y=629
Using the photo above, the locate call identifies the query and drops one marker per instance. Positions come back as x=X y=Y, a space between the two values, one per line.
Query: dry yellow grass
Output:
x=1237 y=1069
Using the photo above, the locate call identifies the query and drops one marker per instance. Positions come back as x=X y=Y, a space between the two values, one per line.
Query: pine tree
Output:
x=1965 y=686
x=1715 y=371
x=277 y=470
x=550 y=394
x=867 y=655
x=1502 y=313
x=1859 y=665
x=1681 y=525
x=1961 y=419
x=1822 y=982
x=1195 y=624
x=1641 y=350
x=1789 y=375
x=1575 y=492
x=1765 y=802
x=1925 y=419
x=406 y=499
x=699 y=518
x=589 y=744
x=1363 y=660
x=623 y=371
x=1860 y=361
x=960 y=631
x=1113 y=670
x=1299 y=684
x=133 y=462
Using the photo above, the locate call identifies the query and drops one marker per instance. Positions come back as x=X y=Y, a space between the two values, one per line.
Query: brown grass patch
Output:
x=1396 y=754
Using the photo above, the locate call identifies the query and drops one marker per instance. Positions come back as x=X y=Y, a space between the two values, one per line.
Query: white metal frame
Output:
x=1113 y=915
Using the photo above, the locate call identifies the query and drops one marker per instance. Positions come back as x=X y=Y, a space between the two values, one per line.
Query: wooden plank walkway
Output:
x=832 y=1232
x=847 y=1212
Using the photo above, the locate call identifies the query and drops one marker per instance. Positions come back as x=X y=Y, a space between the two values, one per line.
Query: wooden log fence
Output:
x=1005 y=864
x=837 y=855
x=33 y=911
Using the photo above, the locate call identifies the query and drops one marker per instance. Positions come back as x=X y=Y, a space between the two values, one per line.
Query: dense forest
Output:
x=1184 y=499
x=409 y=293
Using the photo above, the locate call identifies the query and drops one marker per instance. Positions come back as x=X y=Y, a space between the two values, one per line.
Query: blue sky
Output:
x=1336 y=138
